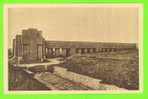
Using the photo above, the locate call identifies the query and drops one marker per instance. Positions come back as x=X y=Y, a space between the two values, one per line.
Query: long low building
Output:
x=31 y=46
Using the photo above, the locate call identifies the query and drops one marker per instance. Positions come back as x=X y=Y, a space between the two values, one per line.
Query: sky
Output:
x=95 y=24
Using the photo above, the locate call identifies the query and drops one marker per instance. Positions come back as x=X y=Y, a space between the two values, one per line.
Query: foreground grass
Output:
x=118 y=68
x=20 y=80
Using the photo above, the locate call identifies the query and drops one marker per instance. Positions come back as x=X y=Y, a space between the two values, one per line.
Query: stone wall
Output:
x=32 y=46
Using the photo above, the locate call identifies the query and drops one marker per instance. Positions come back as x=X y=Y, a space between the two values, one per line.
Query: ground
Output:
x=115 y=68
x=118 y=68
x=20 y=80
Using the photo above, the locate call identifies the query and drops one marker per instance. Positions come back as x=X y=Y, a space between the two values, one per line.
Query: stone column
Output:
x=97 y=50
x=57 y=51
x=14 y=47
x=60 y=51
x=79 y=51
x=72 y=51
x=90 y=50
x=107 y=49
x=94 y=50
x=102 y=49
x=63 y=51
x=53 y=51
x=85 y=50
x=67 y=51
x=46 y=52
x=82 y=50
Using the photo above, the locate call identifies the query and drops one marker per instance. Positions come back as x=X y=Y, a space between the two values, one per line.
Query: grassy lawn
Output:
x=118 y=68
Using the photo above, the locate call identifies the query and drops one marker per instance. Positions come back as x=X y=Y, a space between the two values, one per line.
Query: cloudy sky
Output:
x=77 y=23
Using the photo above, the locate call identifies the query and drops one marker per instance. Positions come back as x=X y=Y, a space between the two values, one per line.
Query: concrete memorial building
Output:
x=31 y=46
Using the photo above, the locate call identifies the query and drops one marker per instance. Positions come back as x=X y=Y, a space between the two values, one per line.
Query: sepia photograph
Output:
x=73 y=48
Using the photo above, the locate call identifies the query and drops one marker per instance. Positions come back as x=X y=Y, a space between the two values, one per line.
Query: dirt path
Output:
x=51 y=62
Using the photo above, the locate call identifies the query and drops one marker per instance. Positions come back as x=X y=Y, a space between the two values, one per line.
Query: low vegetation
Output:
x=118 y=68
x=20 y=80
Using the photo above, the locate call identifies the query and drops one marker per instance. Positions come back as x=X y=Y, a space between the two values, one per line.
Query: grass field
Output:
x=118 y=68
x=20 y=80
